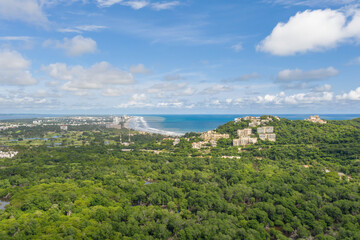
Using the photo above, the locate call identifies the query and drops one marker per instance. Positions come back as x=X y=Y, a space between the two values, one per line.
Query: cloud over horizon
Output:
x=313 y=30
x=14 y=69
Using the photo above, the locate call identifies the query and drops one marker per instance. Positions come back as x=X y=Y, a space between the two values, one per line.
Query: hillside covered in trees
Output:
x=303 y=186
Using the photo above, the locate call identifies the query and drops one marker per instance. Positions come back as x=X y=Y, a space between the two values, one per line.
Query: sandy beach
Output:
x=140 y=124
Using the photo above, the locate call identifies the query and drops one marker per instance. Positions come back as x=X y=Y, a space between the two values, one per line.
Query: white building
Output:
x=116 y=120
x=63 y=127
x=37 y=122
x=9 y=154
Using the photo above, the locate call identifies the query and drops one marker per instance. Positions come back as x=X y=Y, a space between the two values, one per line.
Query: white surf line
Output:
x=139 y=124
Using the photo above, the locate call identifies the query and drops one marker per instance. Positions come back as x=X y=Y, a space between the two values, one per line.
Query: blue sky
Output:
x=192 y=56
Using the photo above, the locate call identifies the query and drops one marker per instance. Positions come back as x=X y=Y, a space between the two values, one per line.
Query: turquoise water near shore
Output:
x=201 y=123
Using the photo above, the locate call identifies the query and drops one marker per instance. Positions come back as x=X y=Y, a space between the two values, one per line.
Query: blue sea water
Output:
x=201 y=123
x=192 y=123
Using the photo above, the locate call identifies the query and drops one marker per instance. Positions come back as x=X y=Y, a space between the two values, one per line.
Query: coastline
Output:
x=140 y=124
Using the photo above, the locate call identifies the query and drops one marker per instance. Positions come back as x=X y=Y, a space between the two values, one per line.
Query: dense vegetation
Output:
x=306 y=185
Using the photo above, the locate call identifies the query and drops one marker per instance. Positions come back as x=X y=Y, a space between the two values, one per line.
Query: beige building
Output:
x=111 y=125
x=198 y=145
x=244 y=132
x=242 y=141
x=263 y=130
x=316 y=119
x=271 y=137
x=212 y=135
x=254 y=123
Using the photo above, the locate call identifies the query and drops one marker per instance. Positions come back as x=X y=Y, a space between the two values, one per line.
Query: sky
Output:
x=179 y=57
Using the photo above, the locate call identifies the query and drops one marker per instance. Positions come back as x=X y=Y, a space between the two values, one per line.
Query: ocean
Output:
x=180 y=124
x=200 y=123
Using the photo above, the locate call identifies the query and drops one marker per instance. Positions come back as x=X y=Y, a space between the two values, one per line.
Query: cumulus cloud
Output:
x=299 y=75
x=96 y=77
x=312 y=31
x=76 y=46
x=139 y=69
x=82 y=28
x=29 y=11
x=136 y=101
x=353 y=95
x=299 y=98
x=14 y=69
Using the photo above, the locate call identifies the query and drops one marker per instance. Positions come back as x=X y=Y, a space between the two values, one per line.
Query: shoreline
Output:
x=140 y=124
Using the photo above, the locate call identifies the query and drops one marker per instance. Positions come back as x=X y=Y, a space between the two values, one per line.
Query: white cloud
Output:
x=299 y=98
x=136 y=4
x=165 y=5
x=21 y=102
x=171 y=89
x=29 y=11
x=312 y=3
x=309 y=98
x=186 y=92
x=352 y=95
x=139 y=97
x=244 y=77
x=355 y=61
x=237 y=47
x=14 y=69
x=216 y=89
x=76 y=46
x=113 y=92
x=15 y=38
x=95 y=77
x=170 y=104
x=173 y=77
x=136 y=101
x=107 y=3
x=166 y=87
x=299 y=75
x=315 y=30
x=139 y=69
x=83 y=28
x=323 y=88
